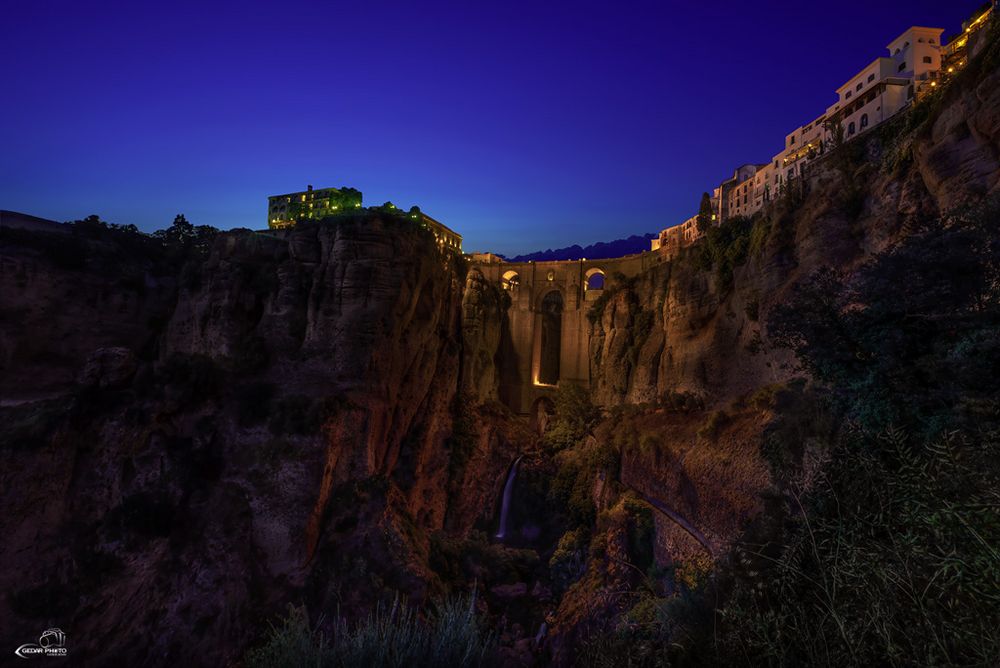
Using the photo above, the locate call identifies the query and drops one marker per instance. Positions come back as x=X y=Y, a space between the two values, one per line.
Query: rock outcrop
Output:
x=268 y=422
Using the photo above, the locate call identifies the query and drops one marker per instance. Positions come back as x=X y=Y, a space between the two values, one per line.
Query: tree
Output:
x=704 y=213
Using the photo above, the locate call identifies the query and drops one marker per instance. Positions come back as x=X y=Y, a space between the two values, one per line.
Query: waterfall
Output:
x=508 y=491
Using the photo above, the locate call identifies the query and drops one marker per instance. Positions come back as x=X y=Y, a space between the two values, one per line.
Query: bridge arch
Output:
x=510 y=280
x=593 y=279
x=548 y=338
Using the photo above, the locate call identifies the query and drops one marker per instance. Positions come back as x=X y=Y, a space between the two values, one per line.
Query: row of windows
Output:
x=863 y=122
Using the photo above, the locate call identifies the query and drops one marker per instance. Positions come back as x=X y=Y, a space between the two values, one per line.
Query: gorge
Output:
x=202 y=428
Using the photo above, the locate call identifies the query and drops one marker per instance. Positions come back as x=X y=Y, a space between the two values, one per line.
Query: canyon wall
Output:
x=194 y=439
x=681 y=327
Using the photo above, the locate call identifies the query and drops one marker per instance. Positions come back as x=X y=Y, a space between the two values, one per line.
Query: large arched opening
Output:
x=593 y=279
x=551 y=338
x=510 y=280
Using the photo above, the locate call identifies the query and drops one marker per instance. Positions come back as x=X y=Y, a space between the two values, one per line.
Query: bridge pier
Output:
x=578 y=284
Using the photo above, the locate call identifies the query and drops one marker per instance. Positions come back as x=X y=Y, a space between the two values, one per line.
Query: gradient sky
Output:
x=522 y=125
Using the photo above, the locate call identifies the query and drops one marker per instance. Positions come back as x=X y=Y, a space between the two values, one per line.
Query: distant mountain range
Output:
x=602 y=249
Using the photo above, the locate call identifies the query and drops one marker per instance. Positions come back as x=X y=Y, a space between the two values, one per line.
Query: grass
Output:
x=391 y=636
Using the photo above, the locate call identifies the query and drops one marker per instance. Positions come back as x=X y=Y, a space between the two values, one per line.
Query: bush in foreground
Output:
x=389 y=637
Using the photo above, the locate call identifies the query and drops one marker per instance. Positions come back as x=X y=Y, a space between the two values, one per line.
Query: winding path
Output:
x=677 y=519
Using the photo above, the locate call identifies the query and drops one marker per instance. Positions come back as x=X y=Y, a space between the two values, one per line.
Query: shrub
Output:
x=392 y=636
x=765 y=398
x=892 y=563
x=725 y=247
x=713 y=423
x=568 y=561
x=575 y=417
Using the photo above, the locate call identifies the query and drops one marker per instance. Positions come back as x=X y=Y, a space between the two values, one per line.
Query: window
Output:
x=864 y=121
x=928 y=59
x=931 y=40
x=896 y=53
x=902 y=66
x=858 y=87
x=792 y=139
x=871 y=78
x=850 y=129
x=848 y=95
x=906 y=44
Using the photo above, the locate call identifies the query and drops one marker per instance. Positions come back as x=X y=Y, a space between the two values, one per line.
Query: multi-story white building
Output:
x=882 y=89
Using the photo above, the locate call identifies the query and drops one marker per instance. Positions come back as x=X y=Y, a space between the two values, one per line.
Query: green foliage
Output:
x=568 y=562
x=715 y=421
x=912 y=336
x=185 y=239
x=889 y=555
x=894 y=562
x=766 y=398
x=682 y=402
x=458 y=561
x=725 y=247
x=759 y=234
x=575 y=417
x=704 y=220
x=392 y=636
x=572 y=487
x=642 y=532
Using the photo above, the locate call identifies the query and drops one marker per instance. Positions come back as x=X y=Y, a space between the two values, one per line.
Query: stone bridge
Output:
x=548 y=340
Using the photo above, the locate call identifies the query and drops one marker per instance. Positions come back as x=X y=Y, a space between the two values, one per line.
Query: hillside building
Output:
x=285 y=210
x=915 y=64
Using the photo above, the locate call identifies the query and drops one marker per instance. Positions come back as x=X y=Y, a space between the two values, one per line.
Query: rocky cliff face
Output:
x=682 y=328
x=196 y=436
x=191 y=447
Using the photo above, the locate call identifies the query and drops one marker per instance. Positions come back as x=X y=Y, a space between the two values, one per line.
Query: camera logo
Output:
x=51 y=643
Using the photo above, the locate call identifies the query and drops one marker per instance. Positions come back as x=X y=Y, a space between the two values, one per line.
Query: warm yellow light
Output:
x=951 y=69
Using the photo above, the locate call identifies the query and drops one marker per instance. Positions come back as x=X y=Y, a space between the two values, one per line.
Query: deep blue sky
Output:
x=523 y=125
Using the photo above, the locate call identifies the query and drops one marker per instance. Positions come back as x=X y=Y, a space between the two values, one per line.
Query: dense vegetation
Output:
x=391 y=636
x=889 y=556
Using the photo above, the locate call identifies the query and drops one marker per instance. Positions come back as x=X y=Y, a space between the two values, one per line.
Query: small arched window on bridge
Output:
x=510 y=280
x=594 y=279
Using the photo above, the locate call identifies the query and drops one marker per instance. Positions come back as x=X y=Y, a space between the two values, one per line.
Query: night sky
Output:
x=521 y=125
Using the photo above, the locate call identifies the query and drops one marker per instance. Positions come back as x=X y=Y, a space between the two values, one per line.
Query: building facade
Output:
x=286 y=210
x=916 y=63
